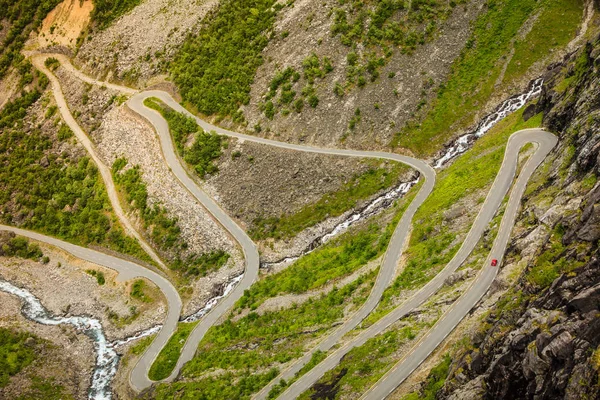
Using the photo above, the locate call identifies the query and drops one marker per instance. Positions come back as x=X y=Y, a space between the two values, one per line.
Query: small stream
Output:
x=229 y=286
x=507 y=107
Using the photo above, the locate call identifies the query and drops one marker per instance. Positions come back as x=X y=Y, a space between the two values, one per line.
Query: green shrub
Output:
x=99 y=275
x=106 y=11
x=215 y=67
x=137 y=291
x=15 y=353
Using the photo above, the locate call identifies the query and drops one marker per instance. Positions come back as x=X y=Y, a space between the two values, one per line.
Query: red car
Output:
x=494 y=262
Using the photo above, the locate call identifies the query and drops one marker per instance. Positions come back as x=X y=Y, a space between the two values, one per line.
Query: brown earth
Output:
x=63 y=25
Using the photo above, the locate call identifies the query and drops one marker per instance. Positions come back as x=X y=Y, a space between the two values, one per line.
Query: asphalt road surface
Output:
x=139 y=375
x=545 y=141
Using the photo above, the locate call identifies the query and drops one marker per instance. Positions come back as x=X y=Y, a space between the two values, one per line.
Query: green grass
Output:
x=555 y=27
x=553 y=261
x=223 y=386
x=474 y=73
x=168 y=356
x=316 y=358
x=215 y=67
x=255 y=344
x=15 y=354
x=43 y=388
x=364 y=365
x=429 y=247
x=141 y=346
x=138 y=292
x=359 y=188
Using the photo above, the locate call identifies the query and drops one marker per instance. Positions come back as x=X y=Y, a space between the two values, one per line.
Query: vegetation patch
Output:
x=556 y=25
x=17 y=351
x=359 y=188
x=215 y=67
x=163 y=229
x=106 y=11
x=99 y=275
x=57 y=195
x=249 y=348
x=168 y=356
x=205 y=147
x=554 y=261
x=364 y=365
x=475 y=72
x=289 y=80
x=434 y=382
x=20 y=247
x=23 y=17
x=138 y=292
x=338 y=258
x=378 y=27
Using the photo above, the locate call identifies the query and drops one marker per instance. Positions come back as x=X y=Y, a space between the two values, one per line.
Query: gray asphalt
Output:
x=545 y=143
x=127 y=270
x=390 y=260
x=502 y=183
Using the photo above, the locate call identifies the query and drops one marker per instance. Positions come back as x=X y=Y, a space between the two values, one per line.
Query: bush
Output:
x=15 y=353
x=215 y=68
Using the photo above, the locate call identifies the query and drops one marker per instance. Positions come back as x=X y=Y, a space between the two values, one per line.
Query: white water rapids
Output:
x=507 y=107
x=106 y=357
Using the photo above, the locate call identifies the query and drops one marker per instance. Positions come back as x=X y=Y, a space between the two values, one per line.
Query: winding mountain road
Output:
x=446 y=324
x=545 y=142
x=390 y=260
x=139 y=375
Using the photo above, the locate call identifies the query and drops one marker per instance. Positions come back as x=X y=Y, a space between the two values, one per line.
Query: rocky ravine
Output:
x=543 y=342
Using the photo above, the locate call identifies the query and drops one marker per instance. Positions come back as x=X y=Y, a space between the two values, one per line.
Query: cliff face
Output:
x=542 y=340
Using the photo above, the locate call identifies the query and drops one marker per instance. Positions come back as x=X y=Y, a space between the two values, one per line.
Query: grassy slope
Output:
x=340 y=257
x=243 y=356
x=474 y=73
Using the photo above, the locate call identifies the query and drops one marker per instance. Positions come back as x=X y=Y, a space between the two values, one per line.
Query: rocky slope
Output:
x=542 y=340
